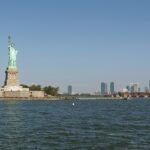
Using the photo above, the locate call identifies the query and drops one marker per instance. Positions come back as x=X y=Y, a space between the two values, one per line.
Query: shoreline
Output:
x=29 y=98
x=67 y=98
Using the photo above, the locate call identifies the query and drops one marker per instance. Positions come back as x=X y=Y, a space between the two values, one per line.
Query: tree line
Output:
x=49 y=90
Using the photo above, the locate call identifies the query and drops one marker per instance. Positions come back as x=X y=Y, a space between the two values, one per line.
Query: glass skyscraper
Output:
x=112 y=88
x=69 y=90
x=104 y=88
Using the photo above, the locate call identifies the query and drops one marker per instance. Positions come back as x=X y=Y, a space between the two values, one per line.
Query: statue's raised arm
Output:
x=12 y=54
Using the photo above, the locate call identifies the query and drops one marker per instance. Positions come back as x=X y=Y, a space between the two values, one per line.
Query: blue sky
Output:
x=77 y=42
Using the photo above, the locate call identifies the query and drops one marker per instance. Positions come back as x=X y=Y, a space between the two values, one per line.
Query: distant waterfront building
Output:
x=112 y=88
x=104 y=88
x=69 y=90
x=146 y=90
x=135 y=88
x=124 y=90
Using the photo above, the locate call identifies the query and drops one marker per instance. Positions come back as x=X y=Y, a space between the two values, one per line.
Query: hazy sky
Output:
x=77 y=42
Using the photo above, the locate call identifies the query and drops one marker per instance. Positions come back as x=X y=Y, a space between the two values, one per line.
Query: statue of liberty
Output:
x=12 y=52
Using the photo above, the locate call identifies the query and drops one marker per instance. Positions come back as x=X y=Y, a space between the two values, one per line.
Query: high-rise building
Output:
x=112 y=88
x=69 y=90
x=135 y=88
x=104 y=88
x=146 y=90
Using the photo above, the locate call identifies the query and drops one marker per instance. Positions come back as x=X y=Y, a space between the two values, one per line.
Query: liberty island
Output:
x=12 y=87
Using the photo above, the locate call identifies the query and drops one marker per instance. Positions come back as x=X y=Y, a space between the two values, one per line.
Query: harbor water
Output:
x=75 y=125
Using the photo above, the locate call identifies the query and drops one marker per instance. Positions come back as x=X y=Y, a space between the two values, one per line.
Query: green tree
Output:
x=51 y=90
x=35 y=87
x=24 y=86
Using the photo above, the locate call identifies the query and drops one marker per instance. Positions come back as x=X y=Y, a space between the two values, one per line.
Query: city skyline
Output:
x=78 y=43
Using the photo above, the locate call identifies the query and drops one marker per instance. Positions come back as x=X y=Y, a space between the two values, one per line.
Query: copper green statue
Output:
x=12 y=54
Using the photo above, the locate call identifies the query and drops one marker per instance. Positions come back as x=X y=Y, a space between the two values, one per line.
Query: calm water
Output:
x=89 y=125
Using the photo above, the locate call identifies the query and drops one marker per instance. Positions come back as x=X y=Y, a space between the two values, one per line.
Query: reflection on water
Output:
x=45 y=125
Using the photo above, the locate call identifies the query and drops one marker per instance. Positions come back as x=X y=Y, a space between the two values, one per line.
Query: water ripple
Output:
x=46 y=125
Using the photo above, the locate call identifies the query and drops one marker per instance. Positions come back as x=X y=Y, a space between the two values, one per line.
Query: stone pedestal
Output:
x=12 y=88
x=11 y=78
